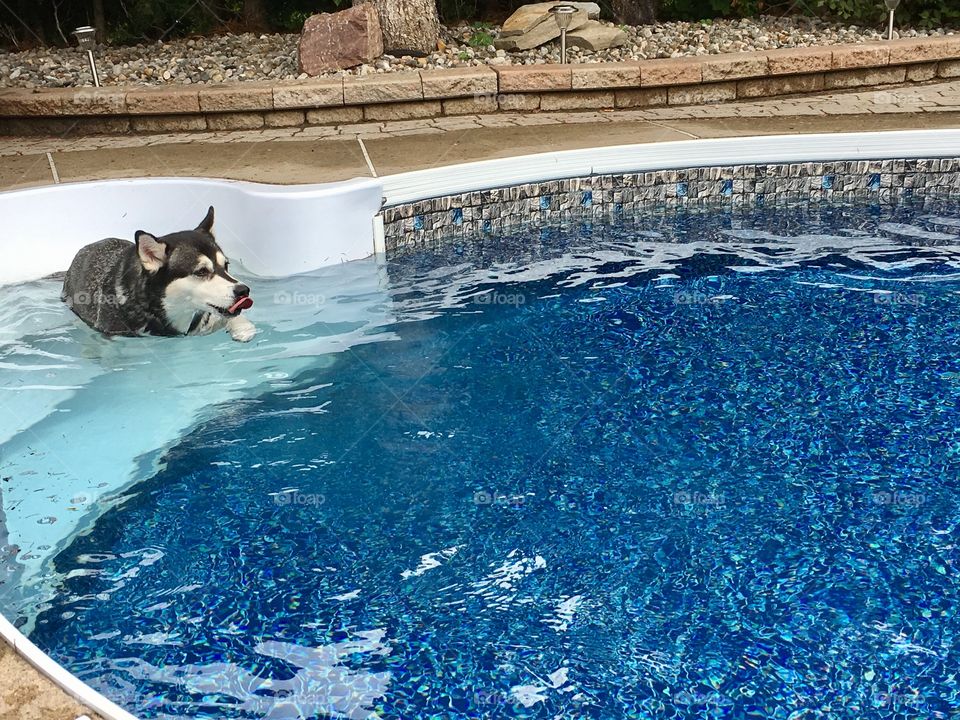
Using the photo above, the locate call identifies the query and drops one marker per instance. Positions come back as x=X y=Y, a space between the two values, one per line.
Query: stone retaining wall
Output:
x=481 y=90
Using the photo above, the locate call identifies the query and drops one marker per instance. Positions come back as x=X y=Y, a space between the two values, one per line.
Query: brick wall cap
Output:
x=451 y=83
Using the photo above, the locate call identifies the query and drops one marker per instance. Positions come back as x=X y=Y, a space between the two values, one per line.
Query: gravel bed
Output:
x=234 y=58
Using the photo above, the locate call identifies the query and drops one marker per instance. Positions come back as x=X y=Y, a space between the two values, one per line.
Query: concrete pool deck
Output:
x=324 y=154
x=27 y=695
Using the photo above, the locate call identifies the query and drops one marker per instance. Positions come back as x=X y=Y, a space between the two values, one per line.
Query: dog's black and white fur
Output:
x=177 y=284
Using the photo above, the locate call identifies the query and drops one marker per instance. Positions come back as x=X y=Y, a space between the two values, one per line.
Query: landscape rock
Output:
x=273 y=57
x=594 y=36
x=527 y=17
x=340 y=40
x=533 y=25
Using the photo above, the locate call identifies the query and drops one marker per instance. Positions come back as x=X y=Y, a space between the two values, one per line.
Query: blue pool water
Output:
x=691 y=466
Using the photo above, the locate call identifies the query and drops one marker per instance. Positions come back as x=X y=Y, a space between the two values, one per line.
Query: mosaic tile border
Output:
x=428 y=222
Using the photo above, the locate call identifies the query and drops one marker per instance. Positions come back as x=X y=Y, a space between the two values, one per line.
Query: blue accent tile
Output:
x=418 y=222
x=727 y=188
x=458 y=216
x=681 y=189
x=487 y=226
x=875 y=182
x=618 y=207
x=544 y=202
x=586 y=198
x=827 y=182
x=760 y=199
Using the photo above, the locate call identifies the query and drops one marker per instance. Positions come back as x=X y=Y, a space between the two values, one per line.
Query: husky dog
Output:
x=177 y=284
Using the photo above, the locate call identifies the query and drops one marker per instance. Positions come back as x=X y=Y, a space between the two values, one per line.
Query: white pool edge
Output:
x=71 y=685
x=272 y=230
x=673 y=155
x=469 y=177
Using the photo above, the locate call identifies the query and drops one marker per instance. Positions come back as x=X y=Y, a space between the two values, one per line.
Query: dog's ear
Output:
x=207 y=224
x=152 y=252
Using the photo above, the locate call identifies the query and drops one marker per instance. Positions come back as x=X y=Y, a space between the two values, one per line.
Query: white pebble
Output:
x=274 y=57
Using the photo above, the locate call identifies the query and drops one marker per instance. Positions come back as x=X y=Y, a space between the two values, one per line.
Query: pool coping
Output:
x=258 y=212
x=60 y=677
x=413 y=187
x=675 y=154
x=406 y=95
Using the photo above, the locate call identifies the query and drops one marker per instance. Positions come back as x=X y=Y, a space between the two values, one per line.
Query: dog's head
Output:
x=193 y=273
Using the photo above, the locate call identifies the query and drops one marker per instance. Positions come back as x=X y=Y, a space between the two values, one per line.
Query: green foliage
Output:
x=452 y=11
x=480 y=35
x=33 y=22
x=920 y=13
x=292 y=21
x=709 y=9
x=138 y=20
x=481 y=39
x=25 y=23
x=290 y=15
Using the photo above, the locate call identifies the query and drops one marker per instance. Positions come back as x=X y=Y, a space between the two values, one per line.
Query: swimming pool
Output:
x=690 y=463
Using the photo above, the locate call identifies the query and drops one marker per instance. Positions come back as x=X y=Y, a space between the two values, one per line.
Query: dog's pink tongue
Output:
x=242 y=304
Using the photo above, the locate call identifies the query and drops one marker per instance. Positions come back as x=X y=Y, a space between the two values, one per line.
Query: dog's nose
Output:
x=240 y=290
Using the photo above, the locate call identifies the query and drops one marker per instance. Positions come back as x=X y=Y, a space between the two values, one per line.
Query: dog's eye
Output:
x=202 y=272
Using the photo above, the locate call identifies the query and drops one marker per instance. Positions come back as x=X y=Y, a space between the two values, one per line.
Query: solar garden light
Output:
x=86 y=39
x=891 y=6
x=563 y=14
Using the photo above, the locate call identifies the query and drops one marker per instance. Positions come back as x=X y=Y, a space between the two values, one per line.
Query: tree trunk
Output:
x=409 y=27
x=100 y=20
x=635 y=12
x=254 y=15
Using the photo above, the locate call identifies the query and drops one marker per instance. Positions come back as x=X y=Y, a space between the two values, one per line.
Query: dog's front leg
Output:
x=241 y=329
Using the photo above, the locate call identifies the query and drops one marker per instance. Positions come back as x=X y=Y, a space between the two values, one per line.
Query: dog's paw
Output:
x=241 y=329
